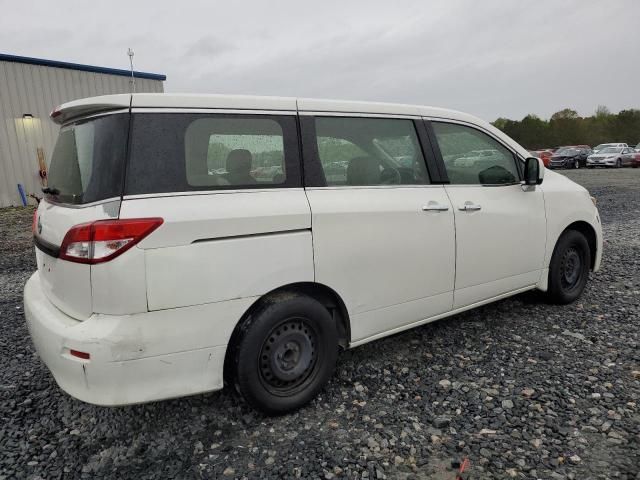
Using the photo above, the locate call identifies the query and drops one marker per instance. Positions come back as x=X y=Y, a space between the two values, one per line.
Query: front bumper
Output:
x=597 y=262
x=601 y=163
x=562 y=164
x=134 y=358
x=556 y=165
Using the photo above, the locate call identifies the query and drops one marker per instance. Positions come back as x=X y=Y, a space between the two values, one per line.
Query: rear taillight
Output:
x=103 y=240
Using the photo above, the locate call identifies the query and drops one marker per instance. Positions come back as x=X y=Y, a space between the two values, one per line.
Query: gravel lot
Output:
x=521 y=388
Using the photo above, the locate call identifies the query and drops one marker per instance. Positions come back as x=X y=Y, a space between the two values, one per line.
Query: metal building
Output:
x=30 y=88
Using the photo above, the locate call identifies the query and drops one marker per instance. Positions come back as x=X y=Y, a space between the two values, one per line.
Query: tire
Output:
x=569 y=268
x=618 y=163
x=285 y=354
x=576 y=164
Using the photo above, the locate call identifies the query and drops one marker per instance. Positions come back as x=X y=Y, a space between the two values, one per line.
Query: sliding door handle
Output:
x=435 y=207
x=470 y=207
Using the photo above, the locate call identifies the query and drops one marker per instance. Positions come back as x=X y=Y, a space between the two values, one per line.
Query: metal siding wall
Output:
x=38 y=90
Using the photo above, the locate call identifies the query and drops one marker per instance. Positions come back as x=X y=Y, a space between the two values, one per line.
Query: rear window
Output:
x=174 y=152
x=87 y=163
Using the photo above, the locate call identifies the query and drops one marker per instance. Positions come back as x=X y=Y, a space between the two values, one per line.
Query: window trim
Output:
x=313 y=173
x=517 y=158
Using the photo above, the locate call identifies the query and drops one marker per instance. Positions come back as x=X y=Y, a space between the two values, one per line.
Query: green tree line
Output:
x=566 y=127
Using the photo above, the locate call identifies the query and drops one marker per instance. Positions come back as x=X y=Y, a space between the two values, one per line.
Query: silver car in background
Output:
x=602 y=146
x=611 y=157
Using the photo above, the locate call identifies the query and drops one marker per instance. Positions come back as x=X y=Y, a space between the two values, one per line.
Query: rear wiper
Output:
x=51 y=190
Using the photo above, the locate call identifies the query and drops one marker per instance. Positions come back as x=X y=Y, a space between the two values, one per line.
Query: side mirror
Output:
x=533 y=171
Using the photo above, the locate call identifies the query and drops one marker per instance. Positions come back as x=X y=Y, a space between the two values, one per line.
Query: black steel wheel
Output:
x=288 y=358
x=569 y=267
x=284 y=353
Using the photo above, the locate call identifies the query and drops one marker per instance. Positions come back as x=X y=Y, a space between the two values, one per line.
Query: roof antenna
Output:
x=133 y=78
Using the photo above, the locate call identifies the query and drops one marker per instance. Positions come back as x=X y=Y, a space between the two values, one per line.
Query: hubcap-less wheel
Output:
x=571 y=269
x=283 y=352
x=288 y=356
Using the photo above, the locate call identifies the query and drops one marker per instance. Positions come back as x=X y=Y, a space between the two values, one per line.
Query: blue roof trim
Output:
x=78 y=66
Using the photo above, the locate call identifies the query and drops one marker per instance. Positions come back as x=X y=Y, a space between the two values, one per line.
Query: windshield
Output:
x=88 y=159
x=611 y=150
x=601 y=146
x=567 y=151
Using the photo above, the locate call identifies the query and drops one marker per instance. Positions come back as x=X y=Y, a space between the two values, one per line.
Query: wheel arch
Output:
x=586 y=229
x=328 y=297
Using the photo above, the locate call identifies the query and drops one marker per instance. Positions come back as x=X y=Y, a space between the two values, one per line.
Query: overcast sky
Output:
x=491 y=58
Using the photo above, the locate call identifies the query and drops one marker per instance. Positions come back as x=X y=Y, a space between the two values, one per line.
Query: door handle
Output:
x=470 y=207
x=435 y=207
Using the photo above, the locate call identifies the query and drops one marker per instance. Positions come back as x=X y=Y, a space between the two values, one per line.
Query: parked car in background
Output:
x=544 y=155
x=637 y=147
x=605 y=145
x=574 y=156
x=612 y=157
x=635 y=161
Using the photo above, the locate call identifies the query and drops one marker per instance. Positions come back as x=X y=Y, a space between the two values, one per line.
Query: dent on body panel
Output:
x=122 y=342
x=227 y=269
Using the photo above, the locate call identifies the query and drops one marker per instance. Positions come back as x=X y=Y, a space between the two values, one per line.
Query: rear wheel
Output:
x=286 y=353
x=569 y=267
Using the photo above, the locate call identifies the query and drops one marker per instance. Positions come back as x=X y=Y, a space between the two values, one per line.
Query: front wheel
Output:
x=619 y=163
x=286 y=353
x=576 y=164
x=569 y=267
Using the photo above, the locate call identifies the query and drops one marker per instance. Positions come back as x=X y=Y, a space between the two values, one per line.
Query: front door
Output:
x=500 y=225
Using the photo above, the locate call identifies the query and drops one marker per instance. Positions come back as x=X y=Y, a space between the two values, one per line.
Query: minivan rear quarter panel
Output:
x=218 y=247
x=226 y=234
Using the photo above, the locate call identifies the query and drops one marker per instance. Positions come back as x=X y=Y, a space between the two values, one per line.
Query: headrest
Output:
x=239 y=160
x=363 y=171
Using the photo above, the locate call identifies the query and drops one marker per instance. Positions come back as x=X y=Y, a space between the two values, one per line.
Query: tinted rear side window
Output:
x=175 y=152
x=87 y=163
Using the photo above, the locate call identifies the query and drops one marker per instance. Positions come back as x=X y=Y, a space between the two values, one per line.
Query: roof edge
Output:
x=4 y=57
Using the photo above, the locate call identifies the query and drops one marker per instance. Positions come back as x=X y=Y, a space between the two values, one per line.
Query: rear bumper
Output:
x=134 y=358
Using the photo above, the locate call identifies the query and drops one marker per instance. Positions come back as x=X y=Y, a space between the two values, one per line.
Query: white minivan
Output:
x=187 y=241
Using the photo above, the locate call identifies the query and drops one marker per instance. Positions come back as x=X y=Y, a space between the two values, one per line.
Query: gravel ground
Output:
x=521 y=388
